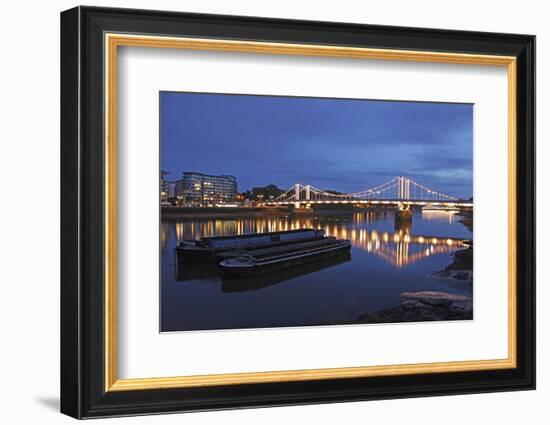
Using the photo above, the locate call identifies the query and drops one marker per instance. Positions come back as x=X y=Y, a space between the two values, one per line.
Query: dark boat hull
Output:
x=291 y=261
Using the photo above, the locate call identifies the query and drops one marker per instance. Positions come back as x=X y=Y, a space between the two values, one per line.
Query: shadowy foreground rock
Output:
x=460 y=269
x=423 y=306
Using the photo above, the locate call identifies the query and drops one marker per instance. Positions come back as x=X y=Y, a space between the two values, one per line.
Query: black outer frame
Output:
x=82 y=206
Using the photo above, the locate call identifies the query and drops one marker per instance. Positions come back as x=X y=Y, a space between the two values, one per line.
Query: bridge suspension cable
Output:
x=398 y=188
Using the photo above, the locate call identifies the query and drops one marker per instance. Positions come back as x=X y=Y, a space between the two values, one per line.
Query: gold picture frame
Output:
x=114 y=41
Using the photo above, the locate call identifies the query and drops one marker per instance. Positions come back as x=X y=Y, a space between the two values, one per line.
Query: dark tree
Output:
x=265 y=192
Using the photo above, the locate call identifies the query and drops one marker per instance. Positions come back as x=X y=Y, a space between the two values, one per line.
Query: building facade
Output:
x=163 y=186
x=198 y=189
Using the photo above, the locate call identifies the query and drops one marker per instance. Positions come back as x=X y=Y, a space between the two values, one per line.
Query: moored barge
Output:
x=265 y=261
x=213 y=249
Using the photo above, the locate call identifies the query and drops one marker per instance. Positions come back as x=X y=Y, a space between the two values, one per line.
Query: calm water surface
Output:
x=386 y=259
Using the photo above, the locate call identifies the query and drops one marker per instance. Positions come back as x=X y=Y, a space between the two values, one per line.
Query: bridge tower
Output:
x=297 y=192
x=403 y=188
x=308 y=192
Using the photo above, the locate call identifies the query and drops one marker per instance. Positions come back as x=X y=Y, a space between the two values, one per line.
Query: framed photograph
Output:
x=261 y=212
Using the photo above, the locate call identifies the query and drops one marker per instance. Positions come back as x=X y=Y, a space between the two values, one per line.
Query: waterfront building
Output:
x=204 y=190
x=171 y=190
x=164 y=186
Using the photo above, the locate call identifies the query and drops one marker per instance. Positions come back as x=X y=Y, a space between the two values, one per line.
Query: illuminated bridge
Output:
x=399 y=191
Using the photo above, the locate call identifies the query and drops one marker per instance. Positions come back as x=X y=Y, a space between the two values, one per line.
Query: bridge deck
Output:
x=419 y=202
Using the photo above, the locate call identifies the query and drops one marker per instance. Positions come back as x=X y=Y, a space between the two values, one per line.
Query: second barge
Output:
x=213 y=249
x=265 y=261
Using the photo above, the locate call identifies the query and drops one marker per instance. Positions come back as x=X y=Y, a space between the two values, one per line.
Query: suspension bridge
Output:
x=400 y=191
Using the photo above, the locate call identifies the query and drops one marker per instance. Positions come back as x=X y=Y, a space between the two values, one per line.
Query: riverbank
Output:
x=467 y=219
x=185 y=213
x=423 y=306
x=461 y=267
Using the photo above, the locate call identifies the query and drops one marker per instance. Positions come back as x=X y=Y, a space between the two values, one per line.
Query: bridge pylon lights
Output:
x=308 y=192
x=297 y=191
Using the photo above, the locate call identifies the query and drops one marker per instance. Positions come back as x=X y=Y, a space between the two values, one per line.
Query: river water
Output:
x=386 y=259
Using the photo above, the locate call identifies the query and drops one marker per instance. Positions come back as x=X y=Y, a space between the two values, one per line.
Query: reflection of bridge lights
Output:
x=179 y=231
x=399 y=248
x=439 y=215
x=163 y=236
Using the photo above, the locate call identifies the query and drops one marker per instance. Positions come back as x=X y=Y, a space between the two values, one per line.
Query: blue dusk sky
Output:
x=340 y=144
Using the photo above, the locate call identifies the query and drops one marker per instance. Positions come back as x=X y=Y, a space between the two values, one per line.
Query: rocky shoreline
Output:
x=423 y=306
x=460 y=269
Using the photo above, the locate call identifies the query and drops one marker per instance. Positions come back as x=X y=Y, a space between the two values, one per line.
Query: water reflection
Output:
x=387 y=258
x=439 y=215
x=196 y=272
x=399 y=247
x=262 y=281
